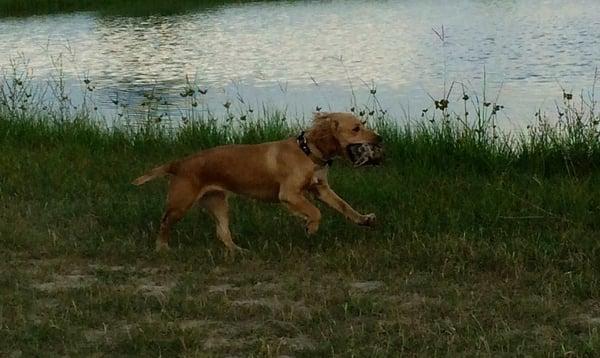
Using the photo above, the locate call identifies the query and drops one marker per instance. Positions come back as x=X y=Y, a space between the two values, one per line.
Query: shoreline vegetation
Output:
x=462 y=124
x=20 y=8
x=487 y=242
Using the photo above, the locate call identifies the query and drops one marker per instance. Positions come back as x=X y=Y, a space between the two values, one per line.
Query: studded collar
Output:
x=303 y=144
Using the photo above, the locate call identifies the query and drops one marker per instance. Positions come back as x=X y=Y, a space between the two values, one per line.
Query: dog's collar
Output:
x=303 y=144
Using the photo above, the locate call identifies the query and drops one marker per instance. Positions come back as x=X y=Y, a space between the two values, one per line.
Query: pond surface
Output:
x=298 y=55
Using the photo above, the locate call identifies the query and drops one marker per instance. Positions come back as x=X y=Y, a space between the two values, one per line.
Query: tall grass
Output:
x=566 y=142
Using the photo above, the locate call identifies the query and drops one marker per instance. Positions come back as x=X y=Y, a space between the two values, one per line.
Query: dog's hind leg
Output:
x=216 y=204
x=182 y=195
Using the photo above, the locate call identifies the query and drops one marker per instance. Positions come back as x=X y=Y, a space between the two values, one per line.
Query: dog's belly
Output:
x=261 y=190
x=264 y=194
x=248 y=170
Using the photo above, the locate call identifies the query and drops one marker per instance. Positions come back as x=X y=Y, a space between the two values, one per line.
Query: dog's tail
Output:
x=154 y=173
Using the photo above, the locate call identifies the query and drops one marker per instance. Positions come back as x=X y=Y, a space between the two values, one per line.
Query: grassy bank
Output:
x=107 y=7
x=484 y=246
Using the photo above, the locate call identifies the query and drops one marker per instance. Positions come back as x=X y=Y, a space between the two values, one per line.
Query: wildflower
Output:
x=442 y=104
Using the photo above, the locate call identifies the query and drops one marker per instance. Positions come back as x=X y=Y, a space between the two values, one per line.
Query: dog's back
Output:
x=255 y=170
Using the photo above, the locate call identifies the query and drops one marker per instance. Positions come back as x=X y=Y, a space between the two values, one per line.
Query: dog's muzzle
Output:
x=365 y=154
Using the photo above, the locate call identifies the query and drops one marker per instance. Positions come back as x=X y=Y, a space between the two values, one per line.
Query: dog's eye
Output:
x=356 y=129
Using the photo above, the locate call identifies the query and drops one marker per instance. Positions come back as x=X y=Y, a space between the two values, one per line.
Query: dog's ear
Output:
x=334 y=124
x=325 y=117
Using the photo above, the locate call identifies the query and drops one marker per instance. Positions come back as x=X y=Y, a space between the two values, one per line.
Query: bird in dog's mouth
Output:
x=365 y=154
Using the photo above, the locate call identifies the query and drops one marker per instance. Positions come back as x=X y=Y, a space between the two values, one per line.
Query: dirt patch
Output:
x=300 y=343
x=266 y=287
x=190 y=324
x=111 y=333
x=148 y=287
x=65 y=282
x=589 y=319
x=223 y=288
x=154 y=290
x=98 y=267
x=258 y=302
x=227 y=336
x=412 y=301
x=365 y=286
x=218 y=343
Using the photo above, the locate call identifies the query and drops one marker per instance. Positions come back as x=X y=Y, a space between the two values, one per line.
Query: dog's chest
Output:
x=318 y=178
x=314 y=181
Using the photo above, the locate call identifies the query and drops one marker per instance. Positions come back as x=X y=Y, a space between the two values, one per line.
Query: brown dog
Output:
x=276 y=171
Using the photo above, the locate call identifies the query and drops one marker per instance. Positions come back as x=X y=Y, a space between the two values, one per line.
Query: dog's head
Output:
x=345 y=135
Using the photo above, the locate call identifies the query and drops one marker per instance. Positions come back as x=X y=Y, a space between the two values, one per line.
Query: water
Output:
x=298 y=55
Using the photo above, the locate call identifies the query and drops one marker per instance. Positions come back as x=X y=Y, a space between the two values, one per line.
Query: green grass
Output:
x=483 y=247
x=108 y=7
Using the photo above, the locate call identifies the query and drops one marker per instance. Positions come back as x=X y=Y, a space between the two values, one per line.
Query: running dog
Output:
x=282 y=171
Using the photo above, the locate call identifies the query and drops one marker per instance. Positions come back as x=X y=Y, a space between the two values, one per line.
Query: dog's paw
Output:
x=162 y=247
x=312 y=228
x=368 y=220
x=240 y=250
x=235 y=251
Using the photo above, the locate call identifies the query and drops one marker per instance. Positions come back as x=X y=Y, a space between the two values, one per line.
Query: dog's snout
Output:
x=378 y=138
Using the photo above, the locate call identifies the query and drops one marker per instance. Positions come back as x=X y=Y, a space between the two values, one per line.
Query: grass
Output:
x=486 y=245
x=486 y=242
x=107 y=7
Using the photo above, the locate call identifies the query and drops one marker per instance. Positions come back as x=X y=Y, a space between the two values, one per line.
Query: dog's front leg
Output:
x=300 y=206
x=329 y=197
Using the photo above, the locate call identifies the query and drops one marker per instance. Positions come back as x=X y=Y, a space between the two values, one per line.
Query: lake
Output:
x=296 y=56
